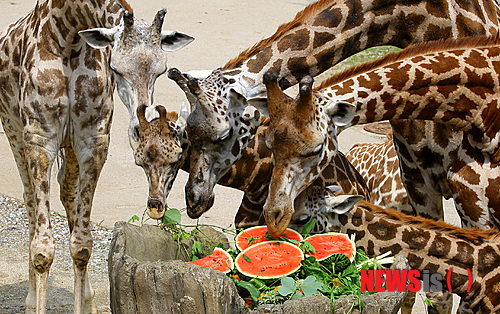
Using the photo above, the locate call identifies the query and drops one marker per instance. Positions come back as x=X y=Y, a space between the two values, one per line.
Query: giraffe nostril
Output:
x=277 y=215
x=136 y=133
x=153 y=203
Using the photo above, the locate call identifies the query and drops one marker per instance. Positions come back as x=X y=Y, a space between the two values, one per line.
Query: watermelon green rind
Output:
x=219 y=260
x=257 y=234
x=265 y=261
x=348 y=247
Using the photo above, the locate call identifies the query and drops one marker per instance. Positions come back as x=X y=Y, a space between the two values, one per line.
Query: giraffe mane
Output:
x=472 y=234
x=413 y=51
x=310 y=10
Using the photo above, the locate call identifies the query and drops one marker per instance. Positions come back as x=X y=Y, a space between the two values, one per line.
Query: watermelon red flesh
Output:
x=272 y=259
x=257 y=234
x=219 y=260
x=331 y=243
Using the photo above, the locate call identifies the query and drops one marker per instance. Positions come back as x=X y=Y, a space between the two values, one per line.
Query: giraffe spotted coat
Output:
x=378 y=164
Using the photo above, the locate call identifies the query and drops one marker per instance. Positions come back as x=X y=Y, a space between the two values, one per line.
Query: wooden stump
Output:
x=148 y=274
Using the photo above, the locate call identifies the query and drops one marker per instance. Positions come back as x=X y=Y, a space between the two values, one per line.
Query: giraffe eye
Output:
x=112 y=67
x=318 y=149
x=224 y=135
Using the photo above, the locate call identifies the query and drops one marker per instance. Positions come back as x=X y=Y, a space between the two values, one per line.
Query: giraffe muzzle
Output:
x=277 y=220
x=155 y=209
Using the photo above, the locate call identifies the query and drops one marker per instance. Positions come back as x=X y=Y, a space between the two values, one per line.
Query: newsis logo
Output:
x=399 y=280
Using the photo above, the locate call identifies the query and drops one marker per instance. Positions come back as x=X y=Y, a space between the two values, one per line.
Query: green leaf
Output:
x=259 y=284
x=196 y=248
x=172 y=216
x=133 y=219
x=254 y=292
x=307 y=248
x=250 y=241
x=310 y=286
x=306 y=229
x=296 y=296
x=246 y=258
x=311 y=267
x=287 y=286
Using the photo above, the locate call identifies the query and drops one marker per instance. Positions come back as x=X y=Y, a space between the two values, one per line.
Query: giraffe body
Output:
x=427 y=244
x=378 y=164
x=57 y=97
x=320 y=36
x=453 y=82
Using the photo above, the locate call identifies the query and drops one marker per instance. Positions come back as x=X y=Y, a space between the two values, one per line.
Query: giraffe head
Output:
x=220 y=126
x=302 y=137
x=160 y=154
x=326 y=205
x=138 y=57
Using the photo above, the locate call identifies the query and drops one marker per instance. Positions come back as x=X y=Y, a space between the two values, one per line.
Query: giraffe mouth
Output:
x=278 y=219
x=195 y=208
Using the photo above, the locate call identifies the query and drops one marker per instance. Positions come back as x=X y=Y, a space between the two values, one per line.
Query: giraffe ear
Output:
x=341 y=204
x=258 y=101
x=182 y=118
x=340 y=112
x=174 y=40
x=99 y=38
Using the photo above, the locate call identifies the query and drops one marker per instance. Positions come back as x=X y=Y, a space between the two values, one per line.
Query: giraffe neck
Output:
x=378 y=164
x=431 y=245
x=436 y=81
x=328 y=31
x=58 y=22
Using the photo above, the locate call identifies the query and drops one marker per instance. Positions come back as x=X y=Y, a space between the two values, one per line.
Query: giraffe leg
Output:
x=15 y=140
x=40 y=154
x=68 y=181
x=91 y=155
x=249 y=214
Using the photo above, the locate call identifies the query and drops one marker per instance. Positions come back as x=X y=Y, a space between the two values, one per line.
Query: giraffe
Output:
x=56 y=97
x=378 y=164
x=223 y=103
x=164 y=147
x=453 y=82
x=427 y=244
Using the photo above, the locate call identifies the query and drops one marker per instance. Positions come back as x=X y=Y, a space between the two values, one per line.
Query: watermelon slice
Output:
x=271 y=259
x=219 y=260
x=331 y=243
x=257 y=234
